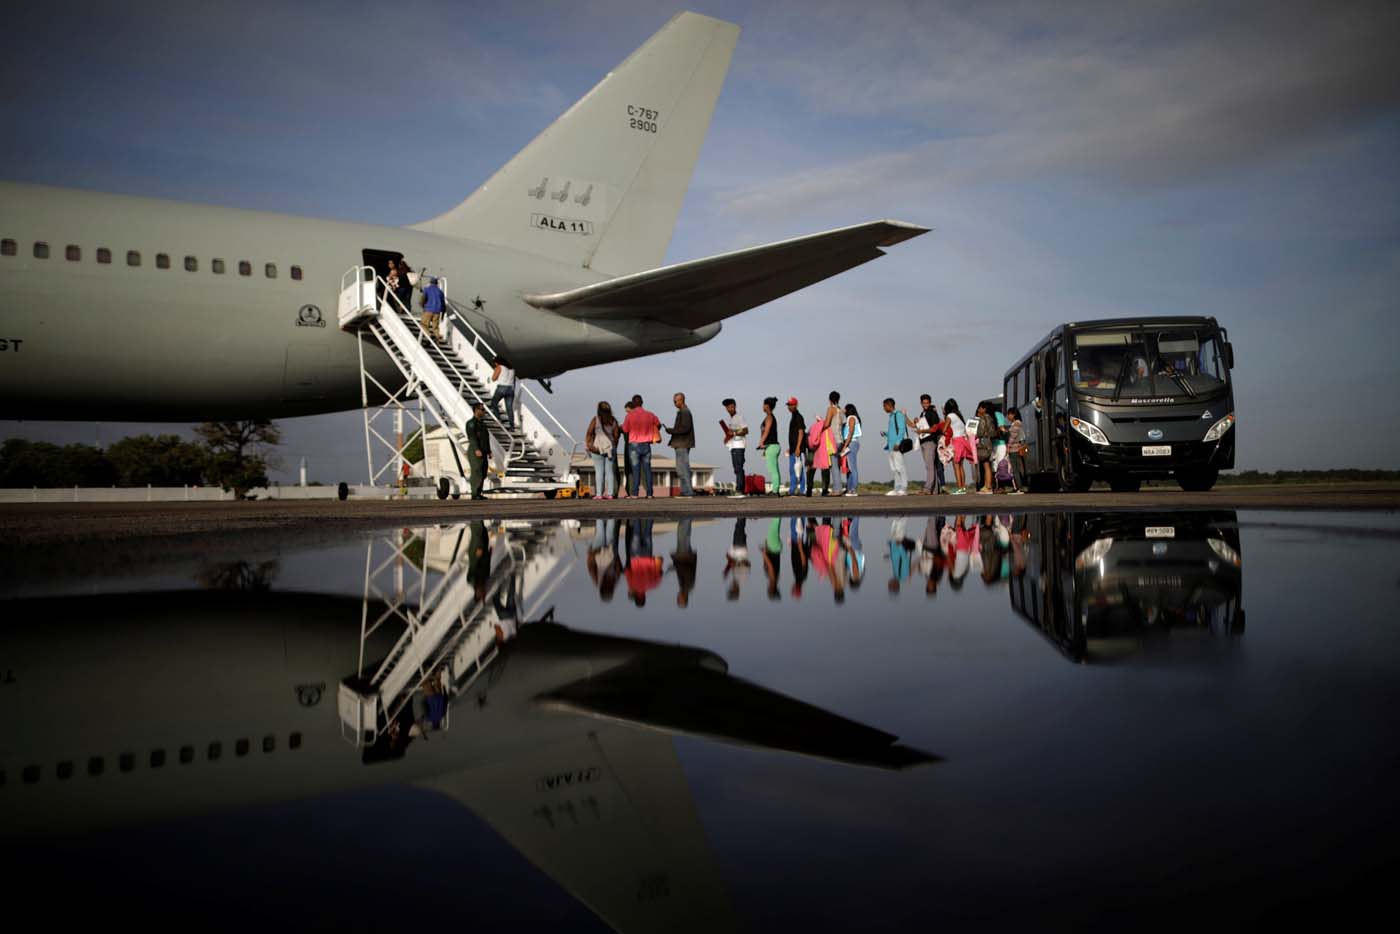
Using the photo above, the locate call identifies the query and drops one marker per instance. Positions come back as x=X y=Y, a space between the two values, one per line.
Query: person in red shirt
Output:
x=642 y=428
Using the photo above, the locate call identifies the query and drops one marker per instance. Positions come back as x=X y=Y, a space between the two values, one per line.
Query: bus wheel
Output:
x=550 y=494
x=1125 y=484
x=1072 y=481
x=1197 y=481
x=343 y=491
x=443 y=488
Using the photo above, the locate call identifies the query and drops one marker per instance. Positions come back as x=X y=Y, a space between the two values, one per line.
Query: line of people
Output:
x=988 y=547
x=830 y=445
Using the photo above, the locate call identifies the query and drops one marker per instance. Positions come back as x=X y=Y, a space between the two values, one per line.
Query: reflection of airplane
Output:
x=146 y=706
x=176 y=311
x=1105 y=586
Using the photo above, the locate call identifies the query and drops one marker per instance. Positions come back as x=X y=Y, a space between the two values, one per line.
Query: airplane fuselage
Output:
x=144 y=336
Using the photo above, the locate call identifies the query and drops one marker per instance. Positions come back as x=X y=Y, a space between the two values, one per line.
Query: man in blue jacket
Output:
x=896 y=442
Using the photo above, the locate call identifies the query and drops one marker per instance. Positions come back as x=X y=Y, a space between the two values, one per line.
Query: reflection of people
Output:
x=684 y=562
x=901 y=551
x=603 y=564
x=643 y=568
x=773 y=556
x=855 y=555
x=797 y=542
x=736 y=563
x=479 y=559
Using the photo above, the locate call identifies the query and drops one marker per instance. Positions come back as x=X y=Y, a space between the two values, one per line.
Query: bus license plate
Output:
x=1156 y=450
x=1161 y=531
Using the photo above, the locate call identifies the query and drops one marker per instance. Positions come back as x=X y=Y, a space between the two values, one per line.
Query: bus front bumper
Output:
x=1129 y=459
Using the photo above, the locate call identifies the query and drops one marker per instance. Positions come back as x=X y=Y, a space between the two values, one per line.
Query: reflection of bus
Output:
x=1104 y=586
x=1125 y=400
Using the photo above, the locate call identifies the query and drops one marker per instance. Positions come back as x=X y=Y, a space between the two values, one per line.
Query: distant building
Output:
x=663 y=472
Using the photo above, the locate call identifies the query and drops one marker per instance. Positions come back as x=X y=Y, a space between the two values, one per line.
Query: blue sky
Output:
x=1075 y=160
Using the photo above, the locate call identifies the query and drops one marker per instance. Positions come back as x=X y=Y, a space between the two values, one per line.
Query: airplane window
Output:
x=191 y=264
x=133 y=257
x=104 y=255
x=296 y=273
x=215 y=751
x=245 y=268
x=218 y=266
x=73 y=253
x=41 y=250
x=162 y=260
x=269 y=743
x=65 y=770
x=157 y=758
x=240 y=748
x=95 y=765
x=126 y=762
x=294 y=741
x=186 y=755
x=8 y=247
x=270 y=270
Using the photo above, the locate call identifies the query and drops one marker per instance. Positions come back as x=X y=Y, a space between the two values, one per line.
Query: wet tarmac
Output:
x=1160 y=717
x=25 y=524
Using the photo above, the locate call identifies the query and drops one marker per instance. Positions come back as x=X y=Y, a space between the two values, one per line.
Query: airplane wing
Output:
x=702 y=291
x=702 y=702
x=607 y=815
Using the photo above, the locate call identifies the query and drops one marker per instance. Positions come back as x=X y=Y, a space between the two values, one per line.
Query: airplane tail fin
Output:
x=602 y=186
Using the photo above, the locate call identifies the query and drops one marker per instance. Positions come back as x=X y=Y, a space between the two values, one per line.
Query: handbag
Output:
x=905 y=445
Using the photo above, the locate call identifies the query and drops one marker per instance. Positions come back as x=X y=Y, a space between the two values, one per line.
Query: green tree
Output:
x=38 y=463
x=160 y=460
x=239 y=452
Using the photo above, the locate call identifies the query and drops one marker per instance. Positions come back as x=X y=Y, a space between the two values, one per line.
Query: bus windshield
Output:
x=1141 y=362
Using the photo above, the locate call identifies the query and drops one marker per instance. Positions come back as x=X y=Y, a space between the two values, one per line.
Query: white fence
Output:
x=168 y=494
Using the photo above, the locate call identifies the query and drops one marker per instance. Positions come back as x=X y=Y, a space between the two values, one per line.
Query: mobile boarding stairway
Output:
x=448 y=378
x=450 y=632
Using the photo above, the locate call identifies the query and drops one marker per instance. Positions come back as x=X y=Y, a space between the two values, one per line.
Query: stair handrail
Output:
x=477 y=339
x=368 y=274
x=422 y=339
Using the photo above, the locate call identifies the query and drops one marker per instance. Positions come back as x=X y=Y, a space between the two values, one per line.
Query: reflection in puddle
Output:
x=536 y=674
x=1106 y=586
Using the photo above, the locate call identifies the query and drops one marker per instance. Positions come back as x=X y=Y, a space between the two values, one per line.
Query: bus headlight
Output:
x=1217 y=431
x=1093 y=554
x=1091 y=431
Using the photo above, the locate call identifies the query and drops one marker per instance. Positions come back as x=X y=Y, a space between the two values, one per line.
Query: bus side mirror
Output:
x=1229 y=355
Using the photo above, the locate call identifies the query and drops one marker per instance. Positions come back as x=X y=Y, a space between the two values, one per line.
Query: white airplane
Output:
x=125 y=308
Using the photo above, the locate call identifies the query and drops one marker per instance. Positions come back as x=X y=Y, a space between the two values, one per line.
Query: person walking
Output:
x=797 y=448
x=504 y=377
x=929 y=429
x=987 y=435
x=850 y=447
x=768 y=444
x=735 y=431
x=955 y=430
x=897 y=442
x=478 y=448
x=1016 y=448
x=682 y=441
x=433 y=304
x=392 y=280
x=625 y=472
x=642 y=428
x=404 y=290
x=601 y=441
